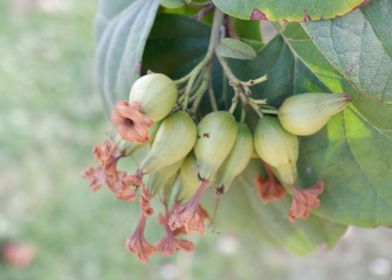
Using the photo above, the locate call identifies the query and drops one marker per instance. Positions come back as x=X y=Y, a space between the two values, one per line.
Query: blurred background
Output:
x=50 y=117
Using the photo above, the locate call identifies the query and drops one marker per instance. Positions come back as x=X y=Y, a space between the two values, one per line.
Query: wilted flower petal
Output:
x=269 y=189
x=304 y=201
x=130 y=121
x=137 y=244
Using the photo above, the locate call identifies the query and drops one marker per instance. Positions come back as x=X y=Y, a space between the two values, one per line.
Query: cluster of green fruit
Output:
x=221 y=146
x=209 y=153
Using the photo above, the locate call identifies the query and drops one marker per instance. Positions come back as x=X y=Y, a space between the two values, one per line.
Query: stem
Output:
x=200 y=92
x=242 y=90
x=267 y=111
x=211 y=93
x=243 y=114
x=214 y=38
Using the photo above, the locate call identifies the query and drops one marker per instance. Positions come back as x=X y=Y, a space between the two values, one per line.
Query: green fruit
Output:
x=175 y=138
x=287 y=174
x=305 y=114
x=164 y=178
x=188 y=179
x=277 y=147
x=237 y=160
x=157 y=95
x=217 y=133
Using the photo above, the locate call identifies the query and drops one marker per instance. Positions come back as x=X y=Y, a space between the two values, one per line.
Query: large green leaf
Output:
x=176 y=41
x=353 y=154
x=121 y=29
x=359 y=45
x=289 y=10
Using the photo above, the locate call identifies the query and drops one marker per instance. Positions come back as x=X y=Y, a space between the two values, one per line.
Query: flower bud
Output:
x=277 y=147
x=217 y=133
x=164 y=178
x=305 y=114
x=188 y=178
x=237 y=160
x=157 y=95
x=175 y=138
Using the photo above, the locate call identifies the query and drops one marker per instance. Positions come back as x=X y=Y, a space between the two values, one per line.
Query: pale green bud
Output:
x=156 y=93
x=305 y=114
x=237 y=160
x=217 y=133
x=175 y=138
x=164 y=178
x=277 y=147
x=188 y=179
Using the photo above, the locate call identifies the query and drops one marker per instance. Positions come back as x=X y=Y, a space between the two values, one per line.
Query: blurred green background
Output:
x=50 y=117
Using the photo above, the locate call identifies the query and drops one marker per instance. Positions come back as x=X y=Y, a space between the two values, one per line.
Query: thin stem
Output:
x=234 y=102
x=254 y=82
x=267 y=111
x=243 y=114
x=259 y=101
x=225 y=91
x=200 y=92
x=214 y=38
x=256 y=108
x=211 y=93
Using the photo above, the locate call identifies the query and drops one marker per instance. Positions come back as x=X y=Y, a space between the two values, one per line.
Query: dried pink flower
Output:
x=305 y=201
x=269 y=189
x=130 y=121
x=137 y=243
x=189 y=216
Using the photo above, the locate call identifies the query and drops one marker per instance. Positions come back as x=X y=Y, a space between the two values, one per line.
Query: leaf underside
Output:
x=121 y=29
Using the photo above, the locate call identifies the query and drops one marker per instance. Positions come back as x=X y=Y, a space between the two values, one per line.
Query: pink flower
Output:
x=189 y=216
x=169 y=244
x=120 y=185
x=304 y=201
x=269 y=189
x=137 y=244
x=130 y=121
x=95 y=176
x=105 y=154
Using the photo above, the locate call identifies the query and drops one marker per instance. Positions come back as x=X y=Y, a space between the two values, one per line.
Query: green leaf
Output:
x=176 y=43
x=288 y=10
x=172 y=4
x=359 y=46
x=121 y=29
x=353 y=153
x=236 y=49
x=241 y=212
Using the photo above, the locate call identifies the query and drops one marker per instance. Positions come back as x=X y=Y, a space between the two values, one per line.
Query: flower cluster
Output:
x=195 y=154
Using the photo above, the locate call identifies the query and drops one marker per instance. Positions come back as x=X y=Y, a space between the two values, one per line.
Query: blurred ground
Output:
x=50 y=117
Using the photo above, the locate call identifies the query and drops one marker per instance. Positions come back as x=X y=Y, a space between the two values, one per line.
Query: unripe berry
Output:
x=164 y=178
x=277 y=147
x=305 y=114
x=175 y=138
x=237 y=160
x=188 y=179
x=217 y=133
x=157 y=95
